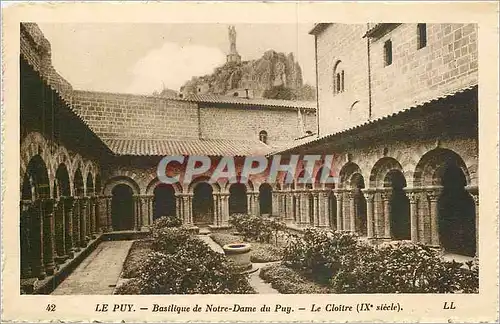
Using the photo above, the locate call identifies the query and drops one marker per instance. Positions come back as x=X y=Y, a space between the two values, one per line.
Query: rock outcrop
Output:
x=271 y=70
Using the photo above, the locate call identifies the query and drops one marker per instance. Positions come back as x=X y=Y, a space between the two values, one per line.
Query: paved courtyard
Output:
x=99 y=272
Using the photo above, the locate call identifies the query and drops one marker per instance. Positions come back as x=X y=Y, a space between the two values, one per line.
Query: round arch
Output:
x=155 y=182
x=89 y=184
x=236 y=180
x=431 y=167
x=36 y=183
x=108 y=187
x=33 y=145
x=63 y=181
x=346 y=173
x=380 y=170
x=215 y=186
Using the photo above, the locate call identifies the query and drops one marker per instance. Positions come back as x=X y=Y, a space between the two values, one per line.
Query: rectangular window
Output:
x=388 y=52
x=421 y=35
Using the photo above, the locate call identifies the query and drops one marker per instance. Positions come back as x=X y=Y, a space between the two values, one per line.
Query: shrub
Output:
x=257 y=228
x=131 y=287
x=170 y=240
x=288 y=281
x=403 y=267
x=223 y=238
x=132 y=263
x=319 y=253
x=166 y=221
x=182 y=264
x=264 y=252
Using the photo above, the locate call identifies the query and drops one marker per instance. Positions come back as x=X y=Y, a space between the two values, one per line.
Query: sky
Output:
x=142 y=58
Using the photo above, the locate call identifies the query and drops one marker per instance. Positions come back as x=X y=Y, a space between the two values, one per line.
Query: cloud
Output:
x=172 y=65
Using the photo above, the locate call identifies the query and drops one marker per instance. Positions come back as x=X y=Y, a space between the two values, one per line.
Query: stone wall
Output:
x=343 y=45
x=447 y=63
x=281 y=125
x=122 y=116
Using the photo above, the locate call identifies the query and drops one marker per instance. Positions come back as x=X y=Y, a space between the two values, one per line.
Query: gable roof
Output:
x=262 y=102
x=212 y=147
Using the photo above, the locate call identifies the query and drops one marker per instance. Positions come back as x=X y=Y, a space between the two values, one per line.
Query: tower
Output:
x=233 y=56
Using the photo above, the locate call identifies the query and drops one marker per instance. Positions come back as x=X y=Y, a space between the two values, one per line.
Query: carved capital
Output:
x=48 y=205
x=368 y=194
x=386 y=195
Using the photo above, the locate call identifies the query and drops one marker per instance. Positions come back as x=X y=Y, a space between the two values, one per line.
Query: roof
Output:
x=211 y=147
x=379 y=29
x=216 y=99
x=330 y=137
x=318 y=28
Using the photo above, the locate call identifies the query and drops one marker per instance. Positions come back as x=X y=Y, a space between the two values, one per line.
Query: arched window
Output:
x=263 y=136
x=338 y=78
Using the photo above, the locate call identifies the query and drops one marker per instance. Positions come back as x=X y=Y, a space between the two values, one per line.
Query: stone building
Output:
x=398 y=107
x=88 y=160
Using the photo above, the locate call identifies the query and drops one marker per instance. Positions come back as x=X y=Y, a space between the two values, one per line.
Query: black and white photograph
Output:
x=315 y=158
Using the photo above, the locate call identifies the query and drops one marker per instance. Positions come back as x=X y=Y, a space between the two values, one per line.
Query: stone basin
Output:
x=239 y=253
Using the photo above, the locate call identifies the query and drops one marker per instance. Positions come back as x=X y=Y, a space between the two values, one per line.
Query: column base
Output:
x=61 y=259
x=145 y=229
x=50 y=269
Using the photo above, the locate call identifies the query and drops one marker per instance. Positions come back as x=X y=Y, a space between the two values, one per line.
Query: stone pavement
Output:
x=99 y=272
x=260 y=286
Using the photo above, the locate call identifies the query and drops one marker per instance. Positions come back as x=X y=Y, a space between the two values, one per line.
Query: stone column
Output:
x=97 y=220
x=323 y=210
x=37 y=257
x=369 y=197
x=60 y=229
x=412 y=197
x=109 y=211
x=48 y=207
x=317 y=207
x=249 y=204
x=83 y=221
x=433 y=195
x=26 y=237
x=304 y=209
x=93 y=223
x=289 y=195
x=275 y=203
x=225 y=208
x=256 y=203
x=339 y=198
x=386 y=198
x=150 y=202
x=474 y=192
x=185 y=208
x=77 y=210
x=346 y=213
x=145 y=211
x=352 y=211
x=69 y=203
x=216 y=201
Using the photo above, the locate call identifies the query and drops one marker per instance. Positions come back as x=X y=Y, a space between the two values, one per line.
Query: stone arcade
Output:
x=397 y=106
